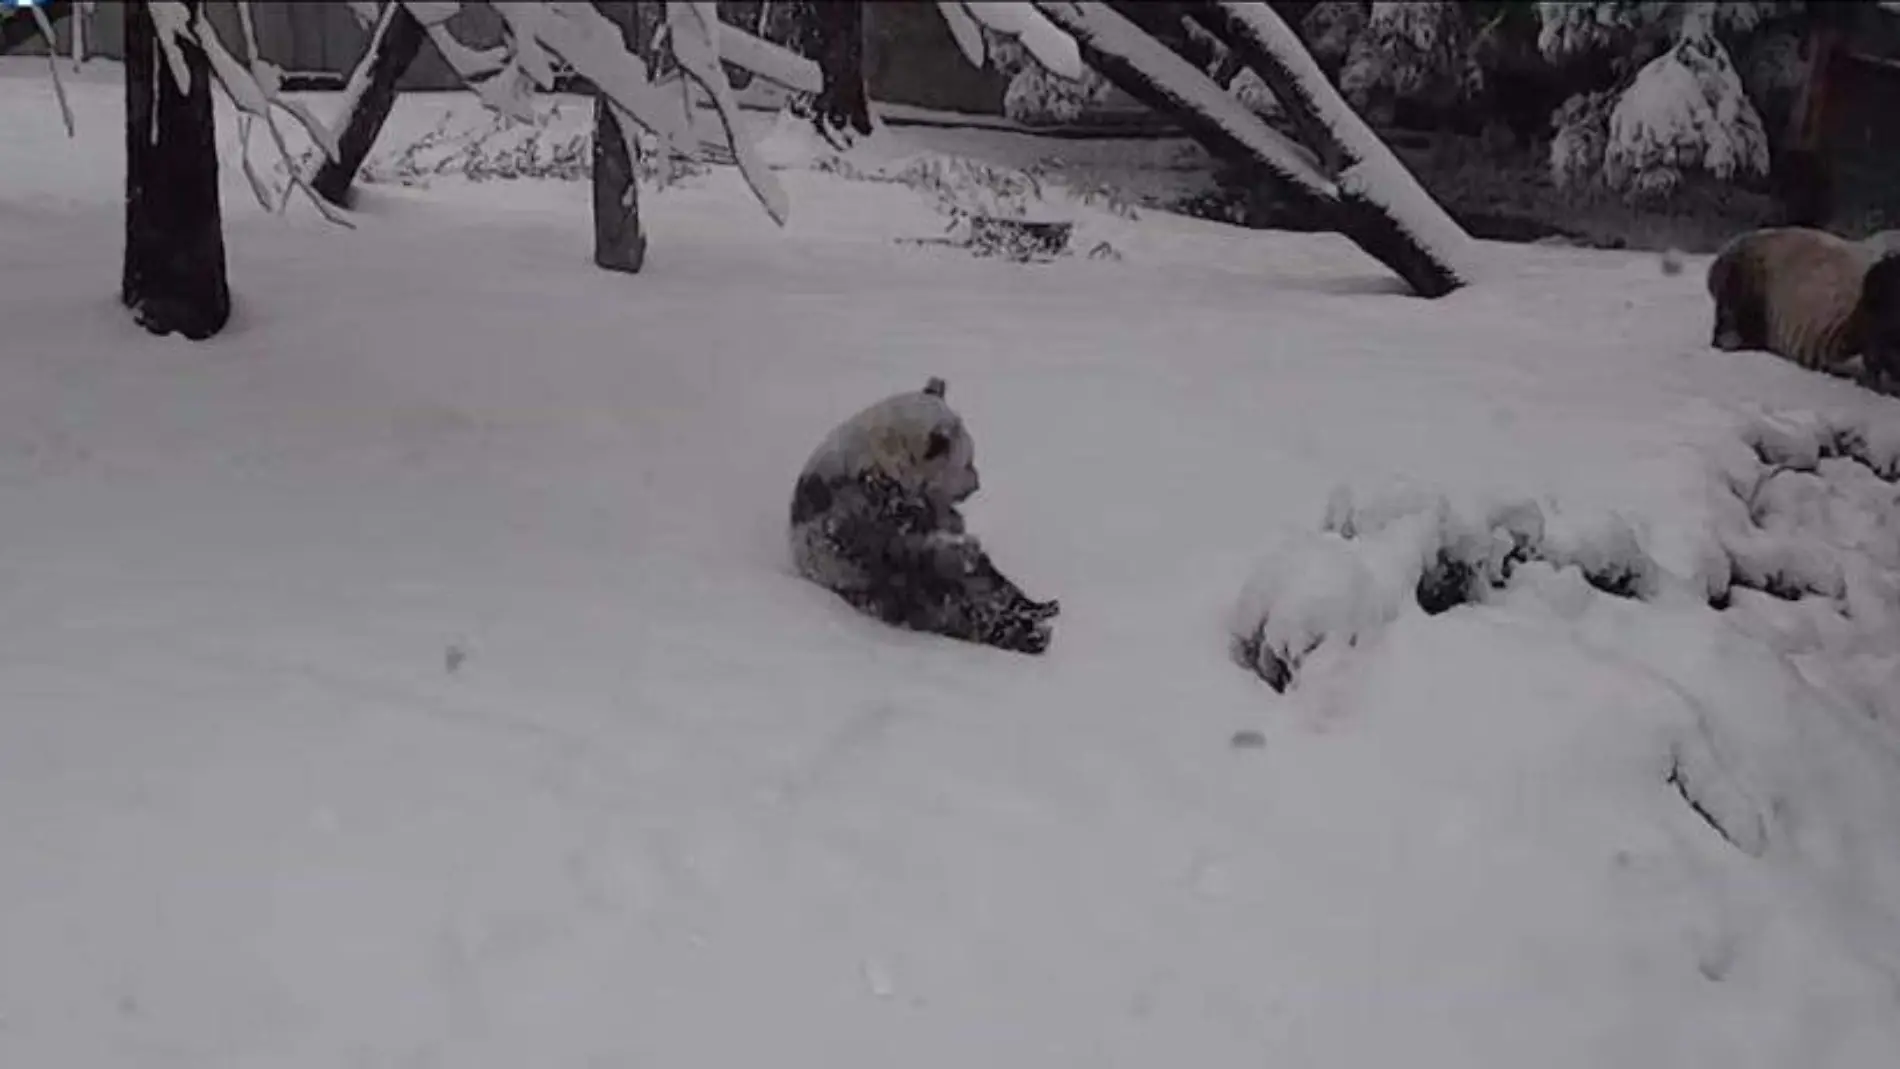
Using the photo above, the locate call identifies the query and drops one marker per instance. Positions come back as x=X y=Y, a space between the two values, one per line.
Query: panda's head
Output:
x=914 y=438
x=1880 y=315
x=936 y=447
x=1736 y=299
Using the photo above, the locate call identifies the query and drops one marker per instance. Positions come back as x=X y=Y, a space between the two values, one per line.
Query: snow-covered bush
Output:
x=1037 y=96
x=1581 y=134
x=1680 y=105
x=1330 y=28
x=1417 y=51
x=1686 y=110
x=556 y=145
x=1374 y=560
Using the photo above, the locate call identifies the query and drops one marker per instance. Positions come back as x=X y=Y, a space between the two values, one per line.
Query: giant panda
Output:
x=1807 y=295
x=1880 y=324
x=874 y=519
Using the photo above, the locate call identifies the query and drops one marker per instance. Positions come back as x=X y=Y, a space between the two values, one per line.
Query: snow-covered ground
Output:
x=413 y=675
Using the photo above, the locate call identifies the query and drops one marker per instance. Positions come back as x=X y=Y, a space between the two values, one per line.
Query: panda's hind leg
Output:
x=965 y=598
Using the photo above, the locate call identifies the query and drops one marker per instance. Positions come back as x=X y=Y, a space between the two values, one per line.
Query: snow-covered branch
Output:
x=577 y=33
x=1043 y=39
x=1112 y=38
x=1367 y=172
x=45 y=26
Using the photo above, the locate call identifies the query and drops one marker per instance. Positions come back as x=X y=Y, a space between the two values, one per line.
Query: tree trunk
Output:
x=370 y=94
x=1380 y=205
x=174 y=276
x=1800 y=179
x=619 y=242
x=1404 y=236
x=836 y=35
x=20 y=26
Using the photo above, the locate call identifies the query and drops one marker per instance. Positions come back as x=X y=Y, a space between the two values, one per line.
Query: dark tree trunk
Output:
x=1800 y=178
x=174 y=234
x=619 y=243
x=20 y=25
x=393 y=48
x=836 y=37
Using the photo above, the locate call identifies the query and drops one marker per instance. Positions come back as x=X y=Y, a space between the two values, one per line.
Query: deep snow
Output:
x=413 y=676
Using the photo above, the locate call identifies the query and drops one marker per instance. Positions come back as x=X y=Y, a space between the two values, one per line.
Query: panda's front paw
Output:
x=1035 y=640
x=1022 y=632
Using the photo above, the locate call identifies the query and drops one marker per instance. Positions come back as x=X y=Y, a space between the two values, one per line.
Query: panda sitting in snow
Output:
x=874 y=518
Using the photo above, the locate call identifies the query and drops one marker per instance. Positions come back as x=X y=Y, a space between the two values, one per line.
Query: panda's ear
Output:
x=937 y=446
x=934 y=387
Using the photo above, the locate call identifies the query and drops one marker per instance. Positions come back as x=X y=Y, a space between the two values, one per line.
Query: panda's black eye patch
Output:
x=938 y=445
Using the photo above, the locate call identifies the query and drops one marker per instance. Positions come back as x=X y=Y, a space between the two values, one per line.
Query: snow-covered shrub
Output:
x=1680 y=104
x=1411 y=51
x=555 y=145
x=1582 y=133
x=1330 y=28
x=1568 y=29
x=1686 y=110
x=1377 y=559
x=1807 y=512
x=1037 y=95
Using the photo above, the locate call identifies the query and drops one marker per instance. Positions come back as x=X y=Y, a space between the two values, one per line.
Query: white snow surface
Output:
x=412 y=675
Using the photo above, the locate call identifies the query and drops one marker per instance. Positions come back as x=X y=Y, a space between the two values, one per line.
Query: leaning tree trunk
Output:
x=836 y=35
x=174 y=234
x=619 y=243
x=1381 y=206
x=1412 y=236
x=370 y=94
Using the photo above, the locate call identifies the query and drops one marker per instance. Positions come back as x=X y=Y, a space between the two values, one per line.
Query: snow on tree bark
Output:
x=367 y=98
x=1378 y=203
x=619 y=242
x=174 y=267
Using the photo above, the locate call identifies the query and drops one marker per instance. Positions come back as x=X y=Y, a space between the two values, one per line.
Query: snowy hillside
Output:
x=413 y=675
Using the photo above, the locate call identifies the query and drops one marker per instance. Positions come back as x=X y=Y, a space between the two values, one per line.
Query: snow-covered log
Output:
x=367 y=98
x=1380 y=205
x=174 y=269
x=619 y=242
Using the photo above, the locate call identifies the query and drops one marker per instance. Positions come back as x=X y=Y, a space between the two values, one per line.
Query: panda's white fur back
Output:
x=1808 y=283
x=868 y=439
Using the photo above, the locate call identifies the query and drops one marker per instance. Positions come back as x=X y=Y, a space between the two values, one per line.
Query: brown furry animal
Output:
x=1807 y=295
